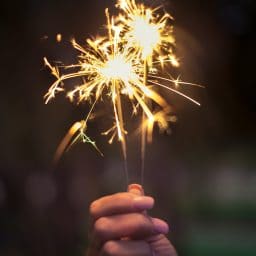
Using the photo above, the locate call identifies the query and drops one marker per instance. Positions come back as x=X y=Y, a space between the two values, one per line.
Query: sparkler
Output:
x=128 y=61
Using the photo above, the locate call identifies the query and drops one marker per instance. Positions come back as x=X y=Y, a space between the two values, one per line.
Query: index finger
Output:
x=119 y=203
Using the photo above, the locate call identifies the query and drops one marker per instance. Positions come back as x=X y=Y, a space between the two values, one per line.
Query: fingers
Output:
x=126 y=248
x=120 y=203
x=132 y=225
x=121 y=226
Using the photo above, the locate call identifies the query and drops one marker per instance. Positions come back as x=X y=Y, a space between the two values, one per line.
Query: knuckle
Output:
x=110 y=248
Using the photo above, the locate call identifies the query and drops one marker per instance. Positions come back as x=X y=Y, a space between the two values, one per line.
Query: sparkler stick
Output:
x=127 y=62
x=143 y=130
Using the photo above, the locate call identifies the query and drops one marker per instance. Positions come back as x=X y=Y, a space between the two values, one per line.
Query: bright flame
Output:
x=129 y=61
x=147 y=31
x=117 y=68
x=146 y=34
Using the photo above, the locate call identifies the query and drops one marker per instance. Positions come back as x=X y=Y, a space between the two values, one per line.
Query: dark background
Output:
x=202 y=176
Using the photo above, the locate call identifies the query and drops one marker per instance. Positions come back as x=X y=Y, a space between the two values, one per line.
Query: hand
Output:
x=121 y=227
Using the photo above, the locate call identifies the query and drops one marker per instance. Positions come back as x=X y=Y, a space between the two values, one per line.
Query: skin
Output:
x=120 y=226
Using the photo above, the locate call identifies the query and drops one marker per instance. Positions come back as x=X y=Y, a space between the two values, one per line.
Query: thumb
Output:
x=136 y=189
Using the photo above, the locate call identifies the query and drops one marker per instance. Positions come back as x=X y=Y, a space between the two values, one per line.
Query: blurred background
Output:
x=202 y=176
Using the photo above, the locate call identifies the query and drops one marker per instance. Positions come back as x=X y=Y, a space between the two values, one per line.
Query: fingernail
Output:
x=143 y=203
x=160 y=226
x=136 y=189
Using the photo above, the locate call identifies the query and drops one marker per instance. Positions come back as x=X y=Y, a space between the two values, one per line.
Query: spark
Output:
x=78 y=128
x=126 y=63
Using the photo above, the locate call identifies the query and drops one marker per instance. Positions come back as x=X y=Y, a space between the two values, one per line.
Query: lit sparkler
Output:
x=127 y=62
